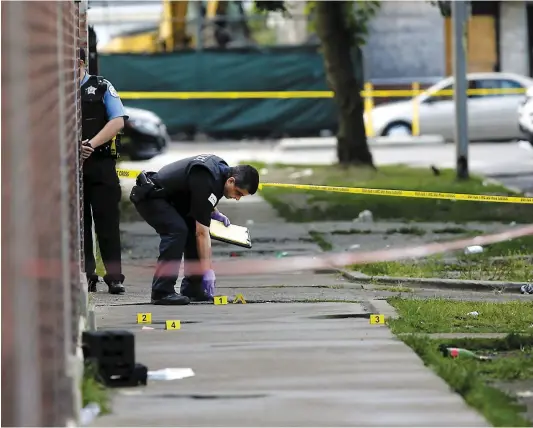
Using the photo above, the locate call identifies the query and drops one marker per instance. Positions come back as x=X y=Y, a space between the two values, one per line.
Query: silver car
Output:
x=490 y=117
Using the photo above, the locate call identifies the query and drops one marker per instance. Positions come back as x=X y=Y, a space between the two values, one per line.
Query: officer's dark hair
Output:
x=82 y=55
x=246 y=177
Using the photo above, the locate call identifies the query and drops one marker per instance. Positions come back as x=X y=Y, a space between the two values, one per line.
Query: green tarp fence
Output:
x=231 y=70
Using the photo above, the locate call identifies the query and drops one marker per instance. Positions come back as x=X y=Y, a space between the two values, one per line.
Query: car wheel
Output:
x=398 y=129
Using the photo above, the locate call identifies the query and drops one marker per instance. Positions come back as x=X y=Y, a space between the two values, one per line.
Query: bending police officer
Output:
x=179 y=202
x=102 y=119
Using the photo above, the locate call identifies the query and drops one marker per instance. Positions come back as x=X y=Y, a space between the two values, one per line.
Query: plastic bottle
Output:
x=465 y=353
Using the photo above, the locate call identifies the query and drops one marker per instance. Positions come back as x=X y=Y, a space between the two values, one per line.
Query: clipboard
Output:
x=233 y=234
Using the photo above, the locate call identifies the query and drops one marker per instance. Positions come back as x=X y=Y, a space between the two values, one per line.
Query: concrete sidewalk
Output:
x=279 y=364
x=303 y=355
x=276 y=364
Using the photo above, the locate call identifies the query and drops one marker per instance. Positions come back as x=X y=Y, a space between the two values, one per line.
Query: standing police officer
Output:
x=102 y=119
x=179 y=202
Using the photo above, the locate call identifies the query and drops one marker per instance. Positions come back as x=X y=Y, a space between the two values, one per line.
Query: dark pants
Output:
x=178 y=239
x=101 y=198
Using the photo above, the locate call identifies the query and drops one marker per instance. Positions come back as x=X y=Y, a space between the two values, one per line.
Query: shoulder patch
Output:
x=213 y=199
x=112 y=91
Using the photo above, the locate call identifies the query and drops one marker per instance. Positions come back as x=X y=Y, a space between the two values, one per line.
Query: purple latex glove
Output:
x=217 y=215
x=208 y=283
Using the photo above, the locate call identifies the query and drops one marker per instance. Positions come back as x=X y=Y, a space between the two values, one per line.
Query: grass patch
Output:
x=449 y=316
x=504 y=261
x=517 y=246
x=352 y=232
x=406 y=231
x=457 y=230
x=319 y=239
x=93 y=391
x=394 y=289
x=472 y=379
x=474 y=267
x=305 y=206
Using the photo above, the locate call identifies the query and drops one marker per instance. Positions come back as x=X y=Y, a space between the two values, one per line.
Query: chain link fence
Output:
x=43 y=299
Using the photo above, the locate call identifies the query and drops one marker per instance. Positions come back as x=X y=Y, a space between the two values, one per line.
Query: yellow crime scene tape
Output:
x=127 y=173
x=406 y=193
x=369 y=92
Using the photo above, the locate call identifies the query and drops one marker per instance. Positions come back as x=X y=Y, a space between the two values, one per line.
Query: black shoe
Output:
x=169 y=299
x=116 y=287
x=114 y=282
x=92 y=280
x=201 y=297
x=193 y=290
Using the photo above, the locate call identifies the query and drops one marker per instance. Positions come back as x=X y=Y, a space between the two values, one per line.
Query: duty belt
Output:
x=146 y=187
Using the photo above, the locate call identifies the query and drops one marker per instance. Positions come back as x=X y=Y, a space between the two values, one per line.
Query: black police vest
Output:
x=173 y=177
x=94 y=113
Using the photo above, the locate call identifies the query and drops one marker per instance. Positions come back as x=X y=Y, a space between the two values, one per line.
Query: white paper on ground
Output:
x=170 y=374
x=89 y=413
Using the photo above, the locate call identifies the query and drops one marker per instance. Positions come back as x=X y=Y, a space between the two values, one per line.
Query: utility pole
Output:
x=459 y=21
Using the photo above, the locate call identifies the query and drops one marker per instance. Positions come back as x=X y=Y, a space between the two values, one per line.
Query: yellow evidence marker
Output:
x=144 y=318
x=377 y=319
x=239 y=298
x=220 y=300
x=172 y=325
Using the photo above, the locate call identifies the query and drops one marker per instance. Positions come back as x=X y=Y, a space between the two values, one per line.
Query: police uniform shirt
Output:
x=112 y=101
x=194 y=185
x=202 y=187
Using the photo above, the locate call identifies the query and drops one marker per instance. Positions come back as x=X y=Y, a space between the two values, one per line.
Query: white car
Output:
x=525 y=120
x=525 y=113
x=490 y=117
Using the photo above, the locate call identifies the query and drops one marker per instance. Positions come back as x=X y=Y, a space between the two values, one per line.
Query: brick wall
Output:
x=40 y=216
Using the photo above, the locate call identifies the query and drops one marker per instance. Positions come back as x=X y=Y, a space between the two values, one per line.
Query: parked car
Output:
x=490 y=117
x=525 y=114
x=144 y=135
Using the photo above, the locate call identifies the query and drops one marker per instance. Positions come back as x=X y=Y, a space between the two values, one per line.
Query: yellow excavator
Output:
x=173 y=32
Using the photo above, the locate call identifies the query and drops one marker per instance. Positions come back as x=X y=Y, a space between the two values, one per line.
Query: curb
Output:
x=381 y=307
x=513 y=287
x=447 y=336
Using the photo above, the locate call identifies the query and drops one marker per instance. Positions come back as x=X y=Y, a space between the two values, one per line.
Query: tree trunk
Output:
x=336 y=41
